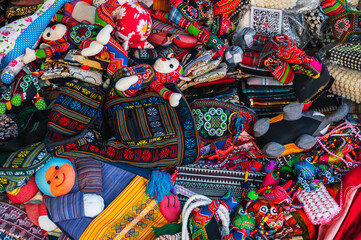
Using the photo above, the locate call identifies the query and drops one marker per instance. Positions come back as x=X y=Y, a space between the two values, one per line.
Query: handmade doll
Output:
x=21 y=34
x=190 y=19
x=281 y=56
x=91 y=39
x=132 y=23
x=81 y=189
x=128 y=80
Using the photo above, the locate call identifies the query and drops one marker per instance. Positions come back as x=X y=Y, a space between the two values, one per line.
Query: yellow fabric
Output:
x=130 y=216
x=277 y=118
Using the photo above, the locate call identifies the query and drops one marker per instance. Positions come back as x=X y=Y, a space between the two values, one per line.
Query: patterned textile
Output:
x=16 y=12
x=215 y=182
x=177 y=236
x=89 y=175
x=15 y=222
x=129 y=216
x=8 y=128
x=73 y=202
x=345 y=21
x=21 y=165
x=226 y=7
x=346 y=55
x=160 y=26
x=75 y=109
x=150 y=133
x=216 y=120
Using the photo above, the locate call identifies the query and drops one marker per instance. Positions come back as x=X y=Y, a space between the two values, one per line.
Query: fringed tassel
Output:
x=168 y=229
x=159 y=185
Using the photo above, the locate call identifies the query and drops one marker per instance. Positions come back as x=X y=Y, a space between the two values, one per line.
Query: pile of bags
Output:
x=198 y=119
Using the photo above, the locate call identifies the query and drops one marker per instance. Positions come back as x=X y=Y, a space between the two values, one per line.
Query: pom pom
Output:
x=159 y=185
x=252 y=195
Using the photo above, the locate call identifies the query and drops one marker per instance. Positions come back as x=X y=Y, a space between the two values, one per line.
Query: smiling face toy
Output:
x=56 y=178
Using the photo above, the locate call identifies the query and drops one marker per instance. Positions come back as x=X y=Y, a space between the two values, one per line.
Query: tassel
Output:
x=159 y=185
x=168 y=229
x=239 y=126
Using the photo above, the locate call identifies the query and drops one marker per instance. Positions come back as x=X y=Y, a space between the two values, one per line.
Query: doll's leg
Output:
x=12 y=69
x=165 y=93
x=103 y=14
x=118 y=56
x=91 y=47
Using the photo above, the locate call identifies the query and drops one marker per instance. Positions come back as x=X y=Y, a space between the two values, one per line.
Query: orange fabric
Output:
x=61 y=180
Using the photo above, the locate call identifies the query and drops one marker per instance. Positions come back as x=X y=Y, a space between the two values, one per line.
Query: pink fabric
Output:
x=346 y=224
x=170 y=208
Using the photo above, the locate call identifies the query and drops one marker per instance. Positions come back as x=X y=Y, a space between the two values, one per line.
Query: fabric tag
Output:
x=265 y=20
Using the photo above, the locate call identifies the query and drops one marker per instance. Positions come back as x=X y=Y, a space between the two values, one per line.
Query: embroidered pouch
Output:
x=75 y=109
x=148 y=133
x=20 y=165
x=217 y=120
x=215 y=182
x=318 y=205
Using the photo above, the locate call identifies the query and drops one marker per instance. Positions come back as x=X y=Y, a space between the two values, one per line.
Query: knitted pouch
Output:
x=319 y=206
x=345 y=54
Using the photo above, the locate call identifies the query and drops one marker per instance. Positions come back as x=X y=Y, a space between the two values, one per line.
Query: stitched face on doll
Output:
x=56 y=178
x=261 y=209
x=168 y=69
x=242 y=219
x=54 y=33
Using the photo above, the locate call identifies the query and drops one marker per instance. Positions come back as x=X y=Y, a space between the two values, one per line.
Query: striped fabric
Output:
x=130 y=216
x=89 y=175
x=21 y=164
x=149 y=133
x=333 y=7
x=160 y=26
x=74 y=109
x=67 y=207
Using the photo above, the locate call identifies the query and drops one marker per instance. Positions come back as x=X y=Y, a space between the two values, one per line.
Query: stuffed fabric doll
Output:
x=132 y=23
x=189 y=18
x=81 y=189
x=92 y=39
x=166 y=70
x=281 y=56
x=22 y=34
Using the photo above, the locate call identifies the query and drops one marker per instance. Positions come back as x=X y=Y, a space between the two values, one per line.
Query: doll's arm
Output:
x=74 y=206
x=69 y=21
x=32 y=55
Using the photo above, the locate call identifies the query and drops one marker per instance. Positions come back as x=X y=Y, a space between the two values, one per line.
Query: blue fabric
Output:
x=115 y=180
x=73 y=202
x=32 y=33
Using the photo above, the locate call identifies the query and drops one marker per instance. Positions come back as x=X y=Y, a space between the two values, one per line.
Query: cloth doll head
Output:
x=262 y=209
x=242 y=219
x=56 y=178
x=168 y=70
x=55 y=34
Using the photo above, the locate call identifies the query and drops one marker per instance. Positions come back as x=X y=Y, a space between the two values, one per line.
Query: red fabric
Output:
x=346 y=225
x=225 y=80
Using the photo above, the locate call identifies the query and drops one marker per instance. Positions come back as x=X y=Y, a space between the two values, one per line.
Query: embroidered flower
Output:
x=71 y=146
x=342 y=25
x=164 y=153
x=28 y=19
x=120 y=12
x=64 y=121
x=142 y=27
x=13 y=63
x=94 y=149
x=146 y=155
x=128 y=154
x=6 y=33
x=111 y=152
